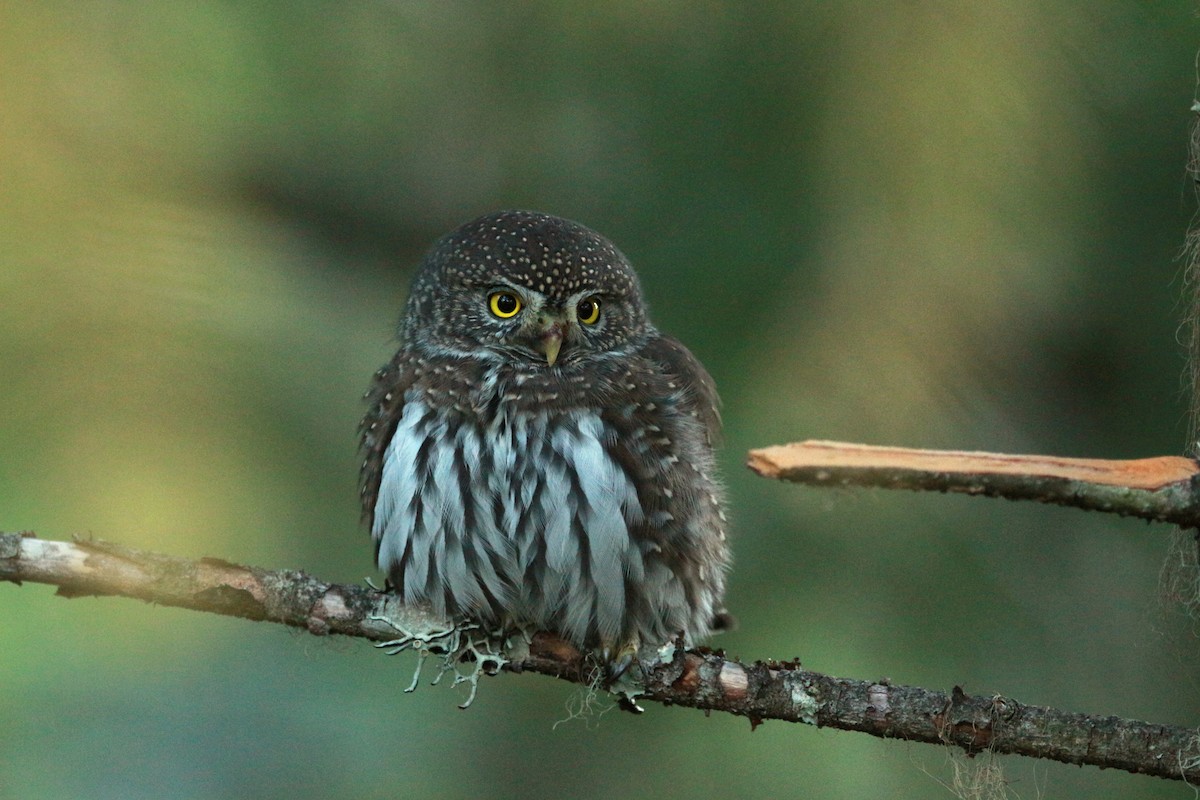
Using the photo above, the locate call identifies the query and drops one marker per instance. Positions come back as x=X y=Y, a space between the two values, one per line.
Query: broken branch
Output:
x=1162 y=489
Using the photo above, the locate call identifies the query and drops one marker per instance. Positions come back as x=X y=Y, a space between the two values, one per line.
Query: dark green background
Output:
x=918 y=223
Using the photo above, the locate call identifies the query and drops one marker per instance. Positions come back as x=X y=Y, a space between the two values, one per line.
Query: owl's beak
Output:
x=550 y=343
x=550 y=339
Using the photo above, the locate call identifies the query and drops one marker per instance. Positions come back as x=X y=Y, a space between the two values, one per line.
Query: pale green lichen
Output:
x=627 y=688
x=455 y=645
x=803 y=701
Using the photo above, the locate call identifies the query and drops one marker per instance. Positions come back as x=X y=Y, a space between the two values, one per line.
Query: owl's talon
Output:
x=622 y=682
x=616 y=660
x=617 y=667
x=627 y=704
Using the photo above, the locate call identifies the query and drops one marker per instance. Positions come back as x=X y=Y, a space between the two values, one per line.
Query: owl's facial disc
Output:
x=543 y=327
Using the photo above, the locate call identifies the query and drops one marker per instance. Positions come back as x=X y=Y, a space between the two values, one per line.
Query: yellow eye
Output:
x=588 y=311
x=504 y=304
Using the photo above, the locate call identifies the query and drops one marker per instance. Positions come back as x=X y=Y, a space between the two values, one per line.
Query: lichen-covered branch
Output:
x=1162 y=489
x=700 y=679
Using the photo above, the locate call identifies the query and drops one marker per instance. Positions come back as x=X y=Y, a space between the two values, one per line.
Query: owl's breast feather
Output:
x=522 y=513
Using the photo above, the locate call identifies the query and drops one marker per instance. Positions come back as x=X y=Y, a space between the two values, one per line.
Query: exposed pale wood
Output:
x=1143 y=473
x=1161 y=488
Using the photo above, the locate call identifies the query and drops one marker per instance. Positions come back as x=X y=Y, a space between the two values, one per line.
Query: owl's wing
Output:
x=385 y=400
x=700 y=391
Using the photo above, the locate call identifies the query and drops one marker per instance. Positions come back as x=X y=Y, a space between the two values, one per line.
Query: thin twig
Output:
x=701 y=679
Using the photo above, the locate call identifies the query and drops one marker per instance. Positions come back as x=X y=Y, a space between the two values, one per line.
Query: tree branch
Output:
x=701 y=679
x=1163 y=489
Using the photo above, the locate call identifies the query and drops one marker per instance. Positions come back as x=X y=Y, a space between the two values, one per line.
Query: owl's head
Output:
x=520 y=286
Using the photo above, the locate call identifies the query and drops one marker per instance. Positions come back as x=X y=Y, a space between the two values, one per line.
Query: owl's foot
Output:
x=616 y=660
x=617 y=677
x=464 y=642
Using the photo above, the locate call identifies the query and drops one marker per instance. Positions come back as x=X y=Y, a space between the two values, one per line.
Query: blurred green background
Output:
x=918 y=223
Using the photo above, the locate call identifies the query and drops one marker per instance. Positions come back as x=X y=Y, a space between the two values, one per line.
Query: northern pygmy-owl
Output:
x=538 y=454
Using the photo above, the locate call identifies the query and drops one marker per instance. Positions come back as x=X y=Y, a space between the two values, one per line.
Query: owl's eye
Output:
x=588 y=310
x=504 y=304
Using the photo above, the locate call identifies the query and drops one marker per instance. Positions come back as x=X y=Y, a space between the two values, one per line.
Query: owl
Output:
x=538 y=455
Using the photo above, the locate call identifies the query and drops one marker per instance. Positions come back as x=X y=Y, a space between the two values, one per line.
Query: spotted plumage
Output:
x=537 y=453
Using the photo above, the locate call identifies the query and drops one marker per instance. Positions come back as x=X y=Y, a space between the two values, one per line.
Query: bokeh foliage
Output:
x=921 y=223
